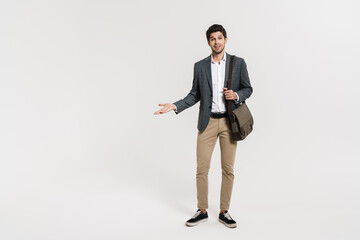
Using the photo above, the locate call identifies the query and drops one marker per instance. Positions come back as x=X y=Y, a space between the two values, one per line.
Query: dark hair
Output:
x=215 y=28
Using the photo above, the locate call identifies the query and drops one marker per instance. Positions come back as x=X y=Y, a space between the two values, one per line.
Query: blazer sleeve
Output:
x=245 y=86
x=192 y=97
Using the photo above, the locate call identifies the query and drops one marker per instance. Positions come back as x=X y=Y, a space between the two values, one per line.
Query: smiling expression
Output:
x=217 y=42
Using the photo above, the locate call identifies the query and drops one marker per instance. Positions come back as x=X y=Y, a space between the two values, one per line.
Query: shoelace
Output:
x=227 y=215
x=196 y=214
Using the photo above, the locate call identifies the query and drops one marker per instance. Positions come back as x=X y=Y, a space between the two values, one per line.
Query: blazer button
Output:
x=209 y=107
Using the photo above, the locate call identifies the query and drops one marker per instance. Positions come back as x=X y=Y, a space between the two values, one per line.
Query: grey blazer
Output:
x=202 y=88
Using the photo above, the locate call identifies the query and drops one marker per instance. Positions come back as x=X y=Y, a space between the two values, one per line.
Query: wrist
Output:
x=236 y=97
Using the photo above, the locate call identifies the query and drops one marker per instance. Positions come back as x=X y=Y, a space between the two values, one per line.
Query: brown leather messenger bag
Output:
x=241 y=120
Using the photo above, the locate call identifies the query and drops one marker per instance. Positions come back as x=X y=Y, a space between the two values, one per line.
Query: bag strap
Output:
x=229 y=102
x=229 y=106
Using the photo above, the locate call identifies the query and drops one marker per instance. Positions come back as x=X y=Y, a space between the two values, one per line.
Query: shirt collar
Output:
x=224 y=58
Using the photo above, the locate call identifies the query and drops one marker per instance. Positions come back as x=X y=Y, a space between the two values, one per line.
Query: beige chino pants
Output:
x=206 y=141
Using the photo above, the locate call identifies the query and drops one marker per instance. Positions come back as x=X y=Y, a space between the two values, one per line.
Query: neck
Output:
x=218 y=56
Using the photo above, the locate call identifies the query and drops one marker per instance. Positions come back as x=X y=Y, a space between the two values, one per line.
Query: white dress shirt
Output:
x=218 y=80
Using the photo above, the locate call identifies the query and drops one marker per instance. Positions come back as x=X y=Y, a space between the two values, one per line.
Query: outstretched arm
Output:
x=192 y=98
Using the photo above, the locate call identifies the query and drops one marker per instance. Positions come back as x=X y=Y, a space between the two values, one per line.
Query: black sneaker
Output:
x=226 y=219
x=199 y=217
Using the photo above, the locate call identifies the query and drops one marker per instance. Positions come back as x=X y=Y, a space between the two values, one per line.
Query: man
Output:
x=210 y=88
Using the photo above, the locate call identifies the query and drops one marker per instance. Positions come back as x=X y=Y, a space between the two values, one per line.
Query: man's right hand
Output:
x=167 y=107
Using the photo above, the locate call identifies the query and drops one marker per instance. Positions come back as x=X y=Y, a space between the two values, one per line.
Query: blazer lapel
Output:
x=227 y=65
x=208 y=71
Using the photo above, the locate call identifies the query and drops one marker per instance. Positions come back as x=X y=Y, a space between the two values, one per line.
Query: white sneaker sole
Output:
x=195 y=223
x=233 y=225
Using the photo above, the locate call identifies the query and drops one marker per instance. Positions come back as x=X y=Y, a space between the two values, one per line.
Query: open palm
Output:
x=167 y=107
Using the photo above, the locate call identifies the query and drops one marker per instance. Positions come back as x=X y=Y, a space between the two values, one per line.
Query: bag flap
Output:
x=243 y=114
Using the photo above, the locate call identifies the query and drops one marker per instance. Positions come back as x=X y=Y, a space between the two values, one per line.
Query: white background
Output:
x=83 y=157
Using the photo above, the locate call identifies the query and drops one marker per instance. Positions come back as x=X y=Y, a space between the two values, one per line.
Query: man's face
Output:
x=217 y=42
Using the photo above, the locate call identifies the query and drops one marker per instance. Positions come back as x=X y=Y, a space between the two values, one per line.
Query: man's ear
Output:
x=225 y=40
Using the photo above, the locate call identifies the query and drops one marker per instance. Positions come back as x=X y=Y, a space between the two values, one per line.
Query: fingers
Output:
x=166 y=108
x=229 y=94
x=161 y=111
x=227 y=91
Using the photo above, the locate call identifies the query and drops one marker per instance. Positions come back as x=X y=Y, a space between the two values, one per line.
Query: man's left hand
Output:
x=229 y=94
